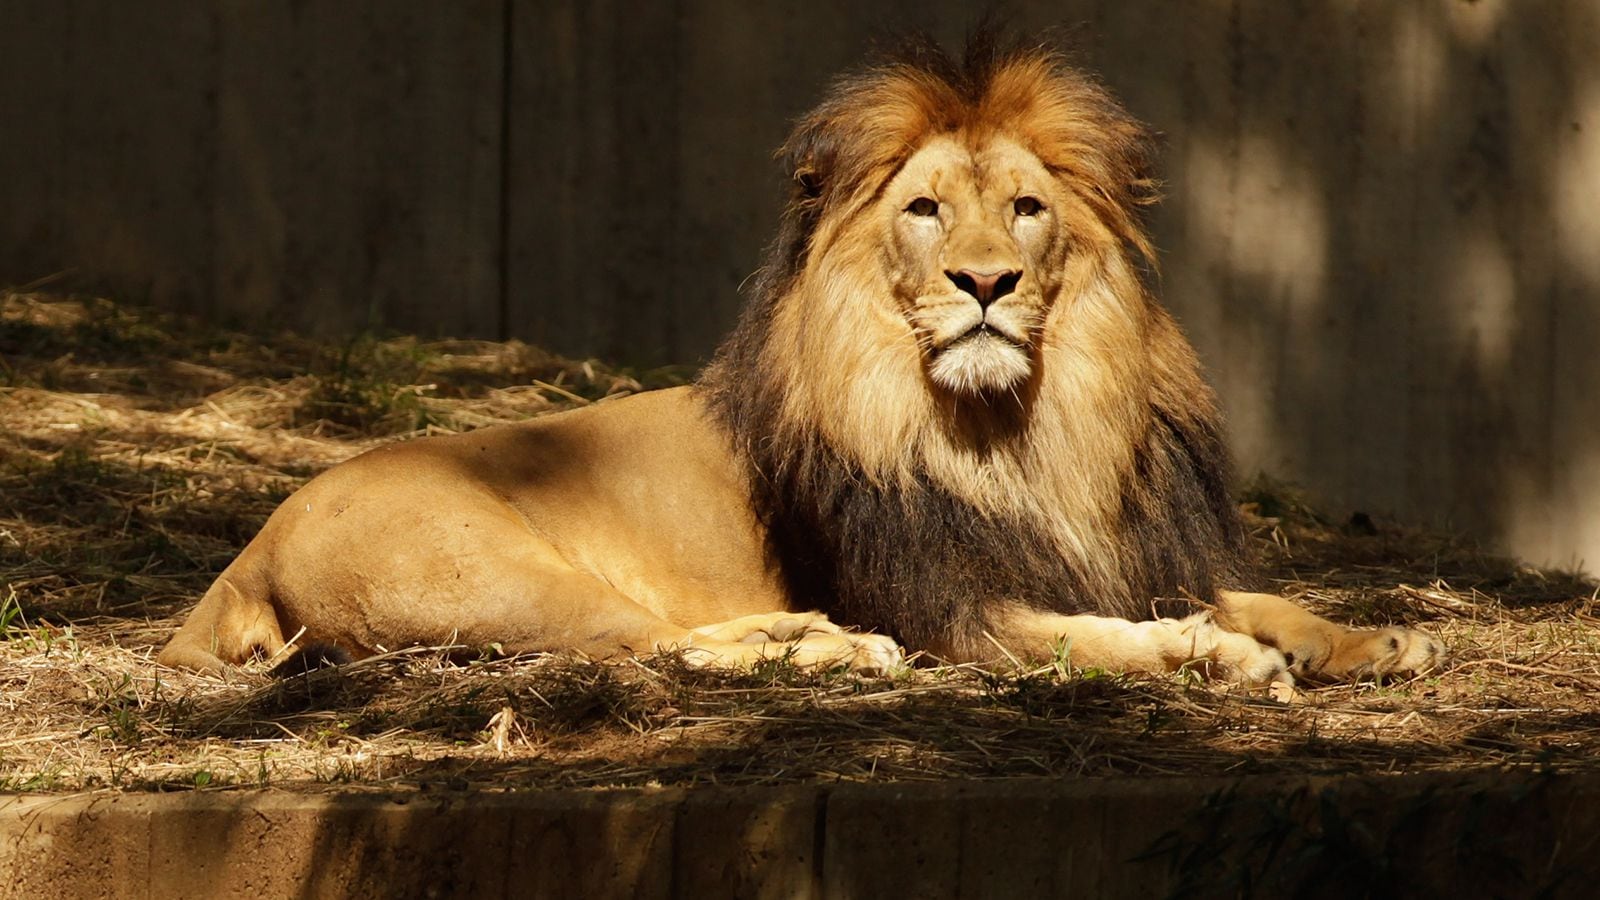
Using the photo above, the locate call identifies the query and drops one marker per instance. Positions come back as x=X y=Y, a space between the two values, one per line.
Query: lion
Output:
x=951 y=419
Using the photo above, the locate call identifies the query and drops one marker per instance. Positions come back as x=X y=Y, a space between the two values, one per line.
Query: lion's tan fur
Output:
x=826 y=460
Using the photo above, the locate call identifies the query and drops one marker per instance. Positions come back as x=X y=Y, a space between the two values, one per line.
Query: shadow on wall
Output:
x=1381 y=234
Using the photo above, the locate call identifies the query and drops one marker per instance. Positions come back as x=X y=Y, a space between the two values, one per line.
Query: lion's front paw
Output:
x=1385 y=651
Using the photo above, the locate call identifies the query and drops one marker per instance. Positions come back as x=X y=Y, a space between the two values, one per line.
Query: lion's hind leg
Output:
x=1318 y=648
x=234 y=621
x=810 y=650
x=773 y=626
x=535 y=605
x=805 y=639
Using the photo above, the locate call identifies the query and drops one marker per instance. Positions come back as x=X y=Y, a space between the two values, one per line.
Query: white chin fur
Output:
x=982 y=363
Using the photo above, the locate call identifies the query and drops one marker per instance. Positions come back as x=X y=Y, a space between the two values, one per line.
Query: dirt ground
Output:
x=140 y=452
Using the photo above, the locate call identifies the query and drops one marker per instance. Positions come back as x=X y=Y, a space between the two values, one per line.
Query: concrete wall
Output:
x=1506 y=834
x=1381 y=227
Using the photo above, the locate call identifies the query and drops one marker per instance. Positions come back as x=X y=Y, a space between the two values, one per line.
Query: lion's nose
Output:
x=985 y=287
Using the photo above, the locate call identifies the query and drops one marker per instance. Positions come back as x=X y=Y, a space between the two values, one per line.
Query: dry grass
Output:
x=140 y=453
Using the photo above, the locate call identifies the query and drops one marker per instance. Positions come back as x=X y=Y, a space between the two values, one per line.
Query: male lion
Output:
x=952 y=416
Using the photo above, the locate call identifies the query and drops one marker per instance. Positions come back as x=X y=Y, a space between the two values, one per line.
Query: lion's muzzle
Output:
x=985 y=287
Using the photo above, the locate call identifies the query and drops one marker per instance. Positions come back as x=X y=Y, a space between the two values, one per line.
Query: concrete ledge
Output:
x=1479 y=834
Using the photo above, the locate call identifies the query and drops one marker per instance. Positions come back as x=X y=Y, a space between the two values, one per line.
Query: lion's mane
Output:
x=1100 y=488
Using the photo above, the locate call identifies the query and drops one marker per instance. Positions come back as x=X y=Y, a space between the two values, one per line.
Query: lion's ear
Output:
x=808 y=183
x=806 y=157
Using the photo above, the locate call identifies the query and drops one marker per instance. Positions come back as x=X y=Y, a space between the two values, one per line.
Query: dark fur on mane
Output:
x=912 y=560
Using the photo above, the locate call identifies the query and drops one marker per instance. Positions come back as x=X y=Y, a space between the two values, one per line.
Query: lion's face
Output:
x=974 y=250
x=955 y=293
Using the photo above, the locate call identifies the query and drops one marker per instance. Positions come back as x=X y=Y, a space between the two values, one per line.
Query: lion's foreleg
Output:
x=1317 y=647
x=1119 y=645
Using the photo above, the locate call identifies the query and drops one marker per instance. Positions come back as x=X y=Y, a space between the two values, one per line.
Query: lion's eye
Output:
x=923 y=206
x=1027 y=206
